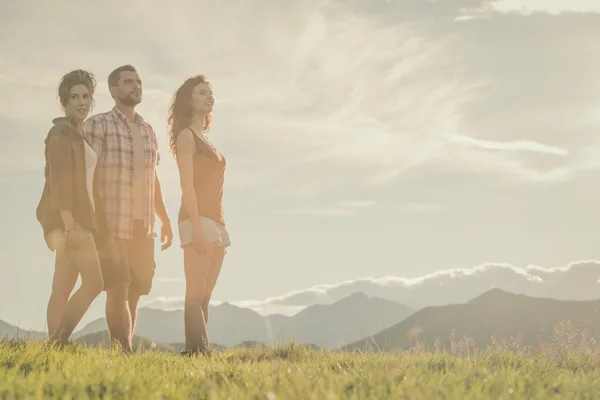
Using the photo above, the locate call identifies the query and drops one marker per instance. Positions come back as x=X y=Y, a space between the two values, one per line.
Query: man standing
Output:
x=128 y=156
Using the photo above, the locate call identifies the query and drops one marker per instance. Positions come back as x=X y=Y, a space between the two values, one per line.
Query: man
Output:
x=132 y=195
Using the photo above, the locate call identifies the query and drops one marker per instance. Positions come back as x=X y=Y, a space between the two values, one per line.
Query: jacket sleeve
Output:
x=104 y=231
x=60 y=168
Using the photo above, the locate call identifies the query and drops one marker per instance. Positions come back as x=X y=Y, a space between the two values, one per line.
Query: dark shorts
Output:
x=130 y=261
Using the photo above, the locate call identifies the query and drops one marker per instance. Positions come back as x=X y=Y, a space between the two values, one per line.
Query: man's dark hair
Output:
x=113 y=78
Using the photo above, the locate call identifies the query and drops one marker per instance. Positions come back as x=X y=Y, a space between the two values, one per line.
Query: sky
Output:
x=366 y=141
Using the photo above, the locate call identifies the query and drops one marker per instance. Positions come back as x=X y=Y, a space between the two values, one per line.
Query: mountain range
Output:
x=359 y=322
x=10 y=331
x=326 y=326
x=496 y=315
x=575 y=281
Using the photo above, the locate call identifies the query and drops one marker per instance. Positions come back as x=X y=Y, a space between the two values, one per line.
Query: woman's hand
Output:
x=73 y=239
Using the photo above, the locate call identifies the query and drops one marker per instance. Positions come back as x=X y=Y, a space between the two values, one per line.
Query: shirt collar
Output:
x=122 y=117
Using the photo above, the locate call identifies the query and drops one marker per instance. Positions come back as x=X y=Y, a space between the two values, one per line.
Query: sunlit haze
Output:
x=389 y=147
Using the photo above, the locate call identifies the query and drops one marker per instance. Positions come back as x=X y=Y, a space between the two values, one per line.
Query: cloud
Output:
x=510 y=146
x=332 y=97
x=341 y=209
x=332 y=212
x=554 y=7
x=537 y=118
x=420 y=207
x=169 y=303
x=177 y=303
x=576 y=281
x=358 y=204
x=327 y=100
x=488 y=8
x=360 y=103
x=471 y=15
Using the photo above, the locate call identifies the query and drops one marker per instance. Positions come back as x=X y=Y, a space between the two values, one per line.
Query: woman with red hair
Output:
x=202 y=231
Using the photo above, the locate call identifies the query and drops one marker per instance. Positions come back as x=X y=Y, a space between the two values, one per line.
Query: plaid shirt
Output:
x=110 y=136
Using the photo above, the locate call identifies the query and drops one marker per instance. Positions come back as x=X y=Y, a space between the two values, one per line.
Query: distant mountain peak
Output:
x=492 y=294
x=357 y=296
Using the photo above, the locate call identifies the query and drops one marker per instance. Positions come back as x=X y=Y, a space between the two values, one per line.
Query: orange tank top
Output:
x=209 y=172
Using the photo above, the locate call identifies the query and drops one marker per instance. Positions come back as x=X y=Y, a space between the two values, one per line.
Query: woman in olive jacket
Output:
x=70 y=209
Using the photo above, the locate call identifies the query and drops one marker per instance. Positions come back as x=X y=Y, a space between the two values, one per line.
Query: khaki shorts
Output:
x=213 y=233
x=130 y=261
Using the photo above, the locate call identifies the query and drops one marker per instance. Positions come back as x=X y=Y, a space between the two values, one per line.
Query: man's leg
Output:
x=118 y=317
x=132 y=301
x=116 y=273
x=141 y=257
x=140 y=286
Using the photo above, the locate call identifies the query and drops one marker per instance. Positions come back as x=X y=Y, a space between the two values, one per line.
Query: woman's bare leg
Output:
x=85 y=259
x=213 y=275
x=196 y=275
x=65 y=278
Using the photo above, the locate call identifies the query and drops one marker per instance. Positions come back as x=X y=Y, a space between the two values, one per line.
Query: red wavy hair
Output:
x=181 y=113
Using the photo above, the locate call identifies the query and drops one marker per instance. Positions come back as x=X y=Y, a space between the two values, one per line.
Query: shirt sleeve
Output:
x=60 y=168
x=156 y=142
x=93 y=132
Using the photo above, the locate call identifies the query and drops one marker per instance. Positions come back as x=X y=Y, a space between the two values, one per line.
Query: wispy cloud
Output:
x=522 y=145
x=341 y=209
x=358 y=204
x=420 y=207
x=554 y=7
x=576 y=281
x=471 y=15
x=527 y=7
x=339 y=98
x=333 y=212
x=171 y=303
x=323 y=99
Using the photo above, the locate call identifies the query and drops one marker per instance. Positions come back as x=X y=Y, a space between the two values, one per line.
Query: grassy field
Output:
x=564 y=369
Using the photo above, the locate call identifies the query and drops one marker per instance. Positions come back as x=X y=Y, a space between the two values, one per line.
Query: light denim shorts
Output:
x=213 y=233
x=57 y=238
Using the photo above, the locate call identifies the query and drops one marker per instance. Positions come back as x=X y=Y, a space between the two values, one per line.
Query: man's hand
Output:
x=166 y=234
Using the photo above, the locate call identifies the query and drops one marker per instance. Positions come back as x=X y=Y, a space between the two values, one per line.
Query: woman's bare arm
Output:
x=185 y=147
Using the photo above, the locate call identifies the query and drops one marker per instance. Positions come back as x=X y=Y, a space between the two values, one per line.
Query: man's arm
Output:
x=166 y=231
x=159 y=203
x=93 y=133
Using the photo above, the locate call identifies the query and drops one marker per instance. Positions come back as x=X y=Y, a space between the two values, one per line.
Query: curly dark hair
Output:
x=180 y=111
x=73 y=78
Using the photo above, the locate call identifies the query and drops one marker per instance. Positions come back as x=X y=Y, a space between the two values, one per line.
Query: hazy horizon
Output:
x=365 y=140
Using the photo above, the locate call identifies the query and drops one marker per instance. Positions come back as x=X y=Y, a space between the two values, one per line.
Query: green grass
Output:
x=560 y=370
